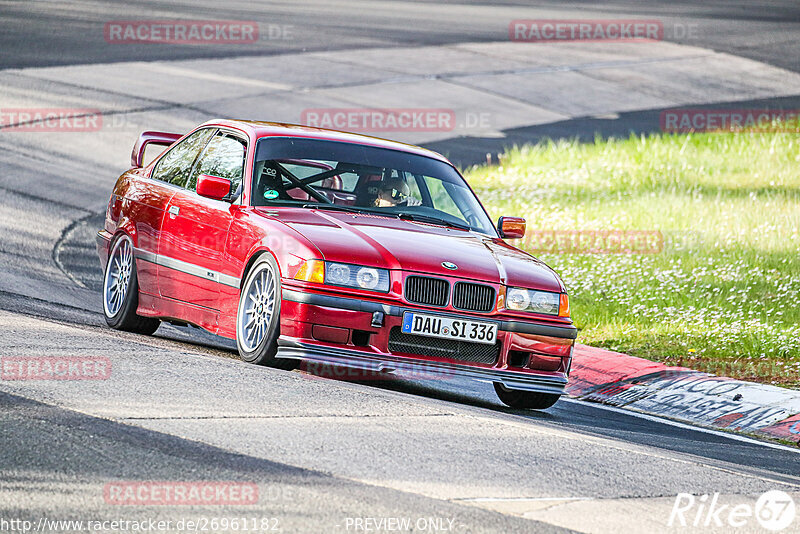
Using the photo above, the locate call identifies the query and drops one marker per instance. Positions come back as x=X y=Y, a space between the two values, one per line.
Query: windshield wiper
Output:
x=334 y=207
x=432 y=220
x=403 y=215
x=348 y=209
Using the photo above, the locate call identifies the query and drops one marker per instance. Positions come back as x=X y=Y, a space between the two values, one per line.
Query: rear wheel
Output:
x=526 y=400
x=258 y=316
x=121 y=291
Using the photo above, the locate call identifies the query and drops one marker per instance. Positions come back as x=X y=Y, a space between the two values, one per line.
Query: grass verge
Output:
x=723 y=293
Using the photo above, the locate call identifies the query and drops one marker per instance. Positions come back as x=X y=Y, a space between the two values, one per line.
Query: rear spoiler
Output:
x=151 y=138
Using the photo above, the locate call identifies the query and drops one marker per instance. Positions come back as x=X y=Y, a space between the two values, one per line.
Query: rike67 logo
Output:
x=773 y=511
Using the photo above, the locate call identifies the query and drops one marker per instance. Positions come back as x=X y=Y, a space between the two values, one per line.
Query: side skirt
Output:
x=168 y=309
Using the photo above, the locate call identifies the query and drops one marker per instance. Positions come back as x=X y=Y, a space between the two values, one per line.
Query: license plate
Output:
x=449 y=328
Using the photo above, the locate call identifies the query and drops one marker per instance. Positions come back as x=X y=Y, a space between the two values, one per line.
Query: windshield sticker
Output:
x=271 y=194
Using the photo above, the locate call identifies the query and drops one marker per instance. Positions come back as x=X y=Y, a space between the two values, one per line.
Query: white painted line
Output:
x=214 y=77
x=523 y=499
x=735 y=437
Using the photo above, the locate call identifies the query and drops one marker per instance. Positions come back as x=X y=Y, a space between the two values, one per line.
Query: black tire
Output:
x=124 y=317
x=525 y=400
x=262 y=353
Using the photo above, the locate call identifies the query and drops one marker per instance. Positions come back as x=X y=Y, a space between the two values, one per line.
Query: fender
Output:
x=288 y=247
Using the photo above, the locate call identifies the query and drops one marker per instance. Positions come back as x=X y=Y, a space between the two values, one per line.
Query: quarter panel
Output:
x=143 y=202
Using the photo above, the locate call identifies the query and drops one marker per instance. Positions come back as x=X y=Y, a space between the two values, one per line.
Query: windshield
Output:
x=350 y=177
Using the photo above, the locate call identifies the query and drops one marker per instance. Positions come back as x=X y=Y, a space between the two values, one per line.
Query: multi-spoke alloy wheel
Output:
x=258 y=317
x=259 y=307
x=118 y=276
x=121 y=291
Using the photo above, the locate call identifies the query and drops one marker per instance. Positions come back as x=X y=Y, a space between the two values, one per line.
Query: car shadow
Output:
x=469 y=393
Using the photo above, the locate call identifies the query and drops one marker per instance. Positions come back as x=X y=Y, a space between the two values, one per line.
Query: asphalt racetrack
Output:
x=325 y=453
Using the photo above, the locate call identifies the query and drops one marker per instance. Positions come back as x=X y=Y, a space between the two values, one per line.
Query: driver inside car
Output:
x=394 y=191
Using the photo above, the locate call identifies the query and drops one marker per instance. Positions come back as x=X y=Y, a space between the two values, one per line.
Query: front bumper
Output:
x=384 y=363
x=545 y=369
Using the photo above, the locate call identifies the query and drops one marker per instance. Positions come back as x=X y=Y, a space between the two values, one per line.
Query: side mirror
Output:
x=213 y=186
x=511 y=227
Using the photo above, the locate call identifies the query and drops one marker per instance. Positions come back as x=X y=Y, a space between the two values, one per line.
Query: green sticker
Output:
x=271 y=194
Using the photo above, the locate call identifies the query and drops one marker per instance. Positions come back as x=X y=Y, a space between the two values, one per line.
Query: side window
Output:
x=414 y=194
x=174 y=167
x=442 y=200
x=224 y=157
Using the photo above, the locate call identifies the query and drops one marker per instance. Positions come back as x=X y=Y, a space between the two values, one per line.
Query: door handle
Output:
x=174 y=210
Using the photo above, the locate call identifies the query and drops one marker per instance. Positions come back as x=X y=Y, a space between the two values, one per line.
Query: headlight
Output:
x=529 y=300
x=337 y=274
x=370 y=278
x=518 y=299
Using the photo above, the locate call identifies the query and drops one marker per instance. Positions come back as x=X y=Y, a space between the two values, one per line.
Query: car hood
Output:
x=391 y=243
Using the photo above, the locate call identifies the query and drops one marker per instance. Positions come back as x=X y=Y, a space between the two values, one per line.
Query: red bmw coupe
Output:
x=310 y=244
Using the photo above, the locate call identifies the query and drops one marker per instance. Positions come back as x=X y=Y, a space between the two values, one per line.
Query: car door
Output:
x=148 y=200
x=195 y=228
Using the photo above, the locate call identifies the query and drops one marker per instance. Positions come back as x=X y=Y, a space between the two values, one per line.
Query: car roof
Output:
x=259 y=129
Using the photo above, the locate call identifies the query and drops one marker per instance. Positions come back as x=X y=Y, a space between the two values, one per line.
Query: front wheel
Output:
x=121 y=291
x=259 y=315
x=525 y=400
